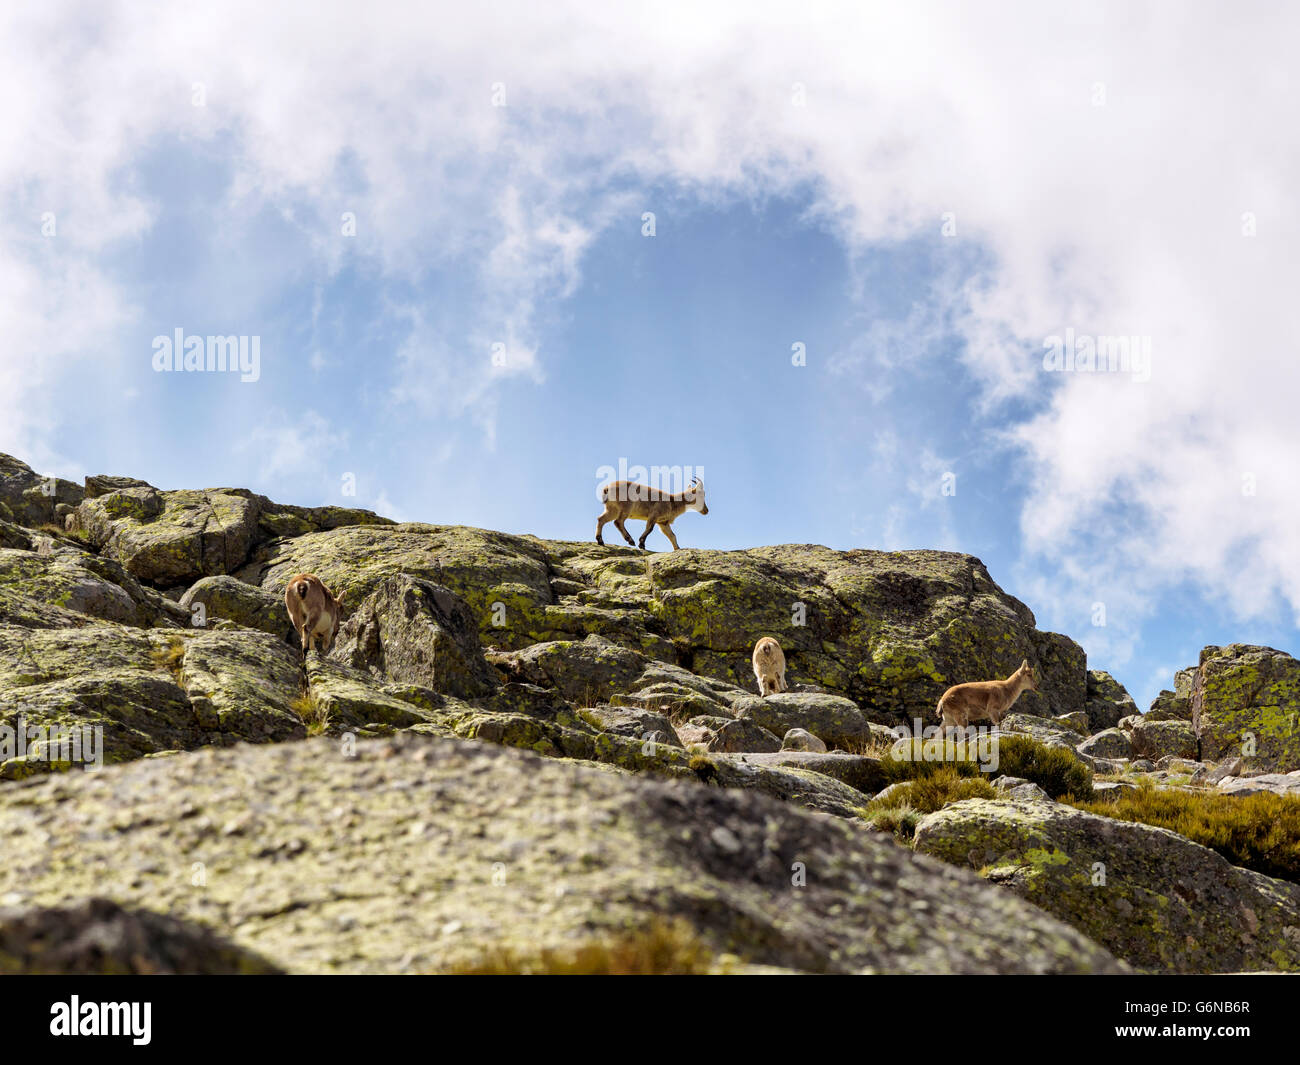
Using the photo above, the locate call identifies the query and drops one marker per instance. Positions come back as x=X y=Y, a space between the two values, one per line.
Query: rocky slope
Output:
x=156 y=617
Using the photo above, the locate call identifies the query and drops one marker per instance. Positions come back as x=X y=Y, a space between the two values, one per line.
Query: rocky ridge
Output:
x=157 y=617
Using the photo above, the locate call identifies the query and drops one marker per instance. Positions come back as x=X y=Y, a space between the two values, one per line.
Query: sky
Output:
x=846 y=262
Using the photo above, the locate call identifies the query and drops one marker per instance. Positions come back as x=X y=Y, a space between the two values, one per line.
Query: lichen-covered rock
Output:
x=782 y=776
x=1108 y=743
x=572 y=736
x=81 y=680
x=27 y=498
x=174 y=538
x=1053 y=732
x=243 y=684
x=1277 y=783
x=102 y=484
x=1078 y=720
x=43 y=588
x=585 y=672
x=335 y=864
x=1106 y=701
x=1175 y=705
x=411 y=631
x=1168 y=706
x=633 y=722
x=860 y=772
x=1111 y=790
x=836 y=721
x=1155 y=740
x=597 y=670
x=97 y=937
x=1148 y=895
x=16 y=538
x=1246 y=701
x=234 y=600
x=889 y=630
x=347 y=698
x=742 y=735
x=169 y=538
x=800 y=739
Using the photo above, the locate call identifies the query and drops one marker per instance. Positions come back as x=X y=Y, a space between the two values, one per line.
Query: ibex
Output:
x=769 y=666
x=627 y=499
x=979 y=699
x=313 y=611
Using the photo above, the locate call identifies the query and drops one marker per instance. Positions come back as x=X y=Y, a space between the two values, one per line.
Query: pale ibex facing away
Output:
x=980 y=699
x=627 y=499
x=313 y=611
x=769 y=666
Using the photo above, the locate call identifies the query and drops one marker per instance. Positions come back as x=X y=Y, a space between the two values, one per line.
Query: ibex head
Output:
x=695 y=496
x=1027 y=672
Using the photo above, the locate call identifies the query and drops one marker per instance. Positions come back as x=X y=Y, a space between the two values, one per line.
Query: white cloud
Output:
x=293 y=445
x=1124 y=217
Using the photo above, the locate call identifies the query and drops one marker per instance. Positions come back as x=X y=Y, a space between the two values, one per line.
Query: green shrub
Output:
x=899 y=821
x=1259 y=832
x=1057 y=770
x=900 y=810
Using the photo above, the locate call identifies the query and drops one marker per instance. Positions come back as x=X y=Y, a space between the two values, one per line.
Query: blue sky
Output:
x=920 y=198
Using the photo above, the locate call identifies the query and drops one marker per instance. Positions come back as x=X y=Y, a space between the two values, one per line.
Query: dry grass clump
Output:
x=170 y=657
x=1259 y=832
x=315 y=714
x=663 y=948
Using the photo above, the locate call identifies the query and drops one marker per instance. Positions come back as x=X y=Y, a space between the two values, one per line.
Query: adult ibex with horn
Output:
x=627 y=499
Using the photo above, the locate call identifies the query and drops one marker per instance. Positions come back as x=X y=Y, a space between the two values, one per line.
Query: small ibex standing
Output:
x=627 y=499
x=313 y=611
x=979 y=699
x=769 y=666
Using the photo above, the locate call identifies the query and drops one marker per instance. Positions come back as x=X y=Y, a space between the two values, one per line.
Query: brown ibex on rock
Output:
x=627 y=499
x=313 y=610
x=984 y=699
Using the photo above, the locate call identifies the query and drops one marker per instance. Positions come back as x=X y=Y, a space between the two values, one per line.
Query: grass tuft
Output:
x=901 y=810
x=703 y=767
x=871 y=746
x=315 y=714
x=171 y=657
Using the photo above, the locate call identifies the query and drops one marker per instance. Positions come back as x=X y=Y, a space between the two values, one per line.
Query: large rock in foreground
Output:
x=417 y=854
x=1148 y=895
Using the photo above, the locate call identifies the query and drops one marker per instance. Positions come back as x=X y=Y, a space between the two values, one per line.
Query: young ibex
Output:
x=769 y=666
x=627 y=499
x=979 y=699
x=313 y=611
